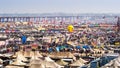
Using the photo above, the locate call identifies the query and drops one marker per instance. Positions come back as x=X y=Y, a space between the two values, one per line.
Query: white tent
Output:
x=36 y=61
x=37 y=66
x=28 y=54
x=20 y=56
x=13 y=67
x=82 y=60
x=18 y=62
x=24 y=23
x=38 y=54
x=1 y=61
x=45 y=63
x=48 y=59
x=77 y=63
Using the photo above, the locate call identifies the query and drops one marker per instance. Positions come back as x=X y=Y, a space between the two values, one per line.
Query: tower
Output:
x=118 y=25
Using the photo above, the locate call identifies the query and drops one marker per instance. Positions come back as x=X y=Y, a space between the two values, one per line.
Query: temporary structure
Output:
x=13 y=67
x=48 y=62
x=18 y=62
x=44 y=63
x=30 y=39
x=36 y=61
x=24 y=23
x=37 y=66
x=38 y=54
x=1 y=61
x=71 y=43
x=82 y=60
x=20 y=55
x=48 y=59
x=51 y=64
x=28 y=54
x=113 y=64
x=62 y=55
x=61 y=62
x=8 y=55
x=77 y=63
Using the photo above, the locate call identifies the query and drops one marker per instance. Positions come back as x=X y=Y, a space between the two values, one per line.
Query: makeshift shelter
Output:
x=36 y=61
x=30 y=39
x=48 y=59
x=77 y=63
x=7 y=55
x=24 y=23
x=28 y=54
x=18 y=62
x=62 y=55
x=86 y=46
x=51 y=65
x=38 y=54
x=34 y=57
x=82 y=60
x=20 y=56
x=37 y=66
x=1 y=61
x=113 y=63
x=17 y=23
x=61 y=62
x=71 y=43
x=46 y=64
x=13 y=66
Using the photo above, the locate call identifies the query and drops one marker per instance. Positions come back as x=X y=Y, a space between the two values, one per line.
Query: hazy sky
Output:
x=65 y=6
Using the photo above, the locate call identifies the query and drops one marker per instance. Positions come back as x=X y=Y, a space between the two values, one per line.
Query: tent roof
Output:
x=61 y=62
x=77 y=63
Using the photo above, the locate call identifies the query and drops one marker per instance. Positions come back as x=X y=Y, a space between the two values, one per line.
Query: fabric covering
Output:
x=24 y=38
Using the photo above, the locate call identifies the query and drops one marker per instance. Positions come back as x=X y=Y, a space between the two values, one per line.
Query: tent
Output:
x=113 y=63
x=78 y=47
x=30 y=39
x=37 y=66
x=51 y=65
x=38 y=54
x=13 y=66
x=18 y=62
x=36 y=61
x=62 y=55
x=77 y=63
x=35 y=55
x=61 y=62
x=48 y=59
x=82 y=60
x=44 y=63
x=20 y=56
x=1 y=61
x=28 y=54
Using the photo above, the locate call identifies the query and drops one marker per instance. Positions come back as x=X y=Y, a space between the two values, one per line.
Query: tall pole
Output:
x=118 y=25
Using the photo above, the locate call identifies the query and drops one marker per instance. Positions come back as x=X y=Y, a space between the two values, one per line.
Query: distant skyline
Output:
x=60 y=6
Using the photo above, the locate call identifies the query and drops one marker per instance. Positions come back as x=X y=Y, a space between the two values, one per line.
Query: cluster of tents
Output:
x=34 y=59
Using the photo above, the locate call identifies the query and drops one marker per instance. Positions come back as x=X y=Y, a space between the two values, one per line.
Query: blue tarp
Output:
x=94 y=64
x=24 y=39
x=101 y=61
x=58 y=49
x=78 y=47
x=86 y=47
x=50 y=49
